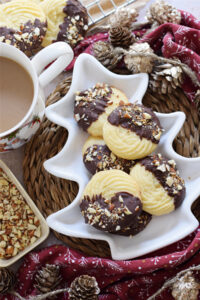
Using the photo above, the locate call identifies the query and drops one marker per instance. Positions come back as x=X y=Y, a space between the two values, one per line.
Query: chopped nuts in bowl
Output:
x=22 y=227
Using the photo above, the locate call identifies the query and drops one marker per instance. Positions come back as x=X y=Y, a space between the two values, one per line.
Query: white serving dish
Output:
x=68 y=164
x=44 y=227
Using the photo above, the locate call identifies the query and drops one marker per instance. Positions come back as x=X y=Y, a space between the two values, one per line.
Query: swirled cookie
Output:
x=67 y=21
x=111 y=201
x=132 y=131
x=162 y=188
x=92 y=106
x=140 y=224
x=22 y=24
x=98 y=157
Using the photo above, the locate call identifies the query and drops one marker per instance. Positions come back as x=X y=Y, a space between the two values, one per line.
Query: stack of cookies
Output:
x=32 y=24
x=129 y=183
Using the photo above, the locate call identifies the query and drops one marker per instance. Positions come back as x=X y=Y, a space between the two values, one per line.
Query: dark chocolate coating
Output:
x=132 y=117
x=177 y=189
x=75 y=23
x=27 y=38
x=101 y=158
x=90 y=107
x=142 y=221
x=112 y=214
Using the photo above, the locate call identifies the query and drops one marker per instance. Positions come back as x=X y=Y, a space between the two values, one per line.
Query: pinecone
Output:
x=197 y=101
x=84 y=287
x=139 y=64
x=123 y=16
x=186 y=287
x=197 y=97
x=7 y=280
x=161 y=12
x=104 y=52
x=48 y=278
x=121 y=36
x=165 y=78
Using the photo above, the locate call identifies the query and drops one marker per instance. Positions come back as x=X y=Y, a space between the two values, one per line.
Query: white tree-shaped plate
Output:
x=68 y=164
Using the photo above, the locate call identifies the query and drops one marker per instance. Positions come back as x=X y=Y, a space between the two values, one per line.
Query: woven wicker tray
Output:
x=51 y=194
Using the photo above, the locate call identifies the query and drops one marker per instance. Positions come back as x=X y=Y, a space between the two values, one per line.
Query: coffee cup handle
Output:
x=60 y=53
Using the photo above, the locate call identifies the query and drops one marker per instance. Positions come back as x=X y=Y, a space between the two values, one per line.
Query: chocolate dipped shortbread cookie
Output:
x=98 y=157
x=67 y=21
x=132 y=131
x=111 y=201
x=23 y=25
x=93 y=105
x=162 y=189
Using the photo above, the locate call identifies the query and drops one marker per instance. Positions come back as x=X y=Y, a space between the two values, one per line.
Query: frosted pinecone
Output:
x=121 y=36
x=48 y=278
x=186 y=287
x=123 y=16
x=165 y=78
x=84 y=287
x=140 y=63
x=197 y=96
x=104 y=52
x=197 y=100
x=162 y=12
x=7 y=280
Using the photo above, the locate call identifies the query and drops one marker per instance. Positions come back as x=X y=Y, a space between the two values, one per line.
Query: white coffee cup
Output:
x=61 y=55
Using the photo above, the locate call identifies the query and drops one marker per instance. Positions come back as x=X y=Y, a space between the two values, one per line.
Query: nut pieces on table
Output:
x=19 y=227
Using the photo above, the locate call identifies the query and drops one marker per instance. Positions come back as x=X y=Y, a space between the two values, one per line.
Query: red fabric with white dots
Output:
x=126 y=280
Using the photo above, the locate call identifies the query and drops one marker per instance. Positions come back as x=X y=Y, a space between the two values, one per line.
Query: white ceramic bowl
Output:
x=68 y=164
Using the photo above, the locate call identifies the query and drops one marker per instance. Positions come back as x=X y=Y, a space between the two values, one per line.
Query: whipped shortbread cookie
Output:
x=111 y=201
x=92 y=106
x=67 y=21
x=23 y=24
x=162 y=189
x=132 y=131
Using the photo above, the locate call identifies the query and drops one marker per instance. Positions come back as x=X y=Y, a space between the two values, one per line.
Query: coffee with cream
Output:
x=16 y=93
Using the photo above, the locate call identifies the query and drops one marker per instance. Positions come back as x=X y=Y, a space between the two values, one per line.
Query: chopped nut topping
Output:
x=77 y=117
x=15 y=234
x=108 y=214
x=121 y=199
x=172 y=162
x=157 y=136
x=99 y=90
x=91 y=210
x=147 y=116
x=179 y=187
x=138 y=119
x=104 y=159
x=137 y=208
x=169 y=181
x=169 y=177
x=127 y=211
x=162 y=168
